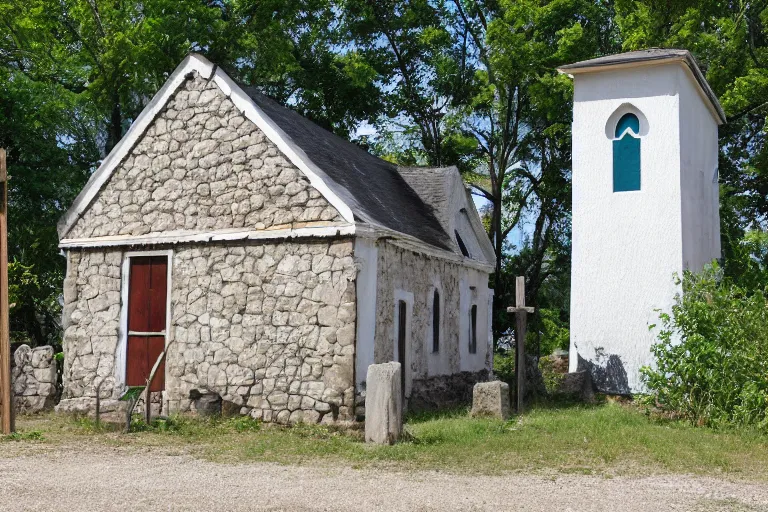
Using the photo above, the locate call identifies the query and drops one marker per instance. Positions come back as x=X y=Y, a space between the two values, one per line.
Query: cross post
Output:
x=521 y=316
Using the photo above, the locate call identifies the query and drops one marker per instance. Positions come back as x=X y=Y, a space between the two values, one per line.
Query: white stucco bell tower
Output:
x=645 y=202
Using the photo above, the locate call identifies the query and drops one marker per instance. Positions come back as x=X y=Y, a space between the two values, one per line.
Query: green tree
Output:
x=51 y=151
x=295 y=52
x=425 y=73
x=117 y=54
x=730 y=43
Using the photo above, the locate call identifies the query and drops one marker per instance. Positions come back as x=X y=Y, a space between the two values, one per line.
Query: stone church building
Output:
x=271 y=260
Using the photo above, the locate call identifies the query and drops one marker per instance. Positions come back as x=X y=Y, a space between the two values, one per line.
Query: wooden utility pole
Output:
x=521 y=315
x=6 y=395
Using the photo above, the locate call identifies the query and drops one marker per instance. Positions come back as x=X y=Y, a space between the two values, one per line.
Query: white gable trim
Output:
x=242 y=101
x=228 y=235
x=411 y=243
x=126 y=144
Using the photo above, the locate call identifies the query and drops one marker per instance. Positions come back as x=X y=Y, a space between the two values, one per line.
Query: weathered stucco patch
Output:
x=202 y=165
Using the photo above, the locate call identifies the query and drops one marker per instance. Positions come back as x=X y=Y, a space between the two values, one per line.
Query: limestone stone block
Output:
x=383 y=404
x=22 y=356
x=577 y=385
x=491 y=399
x=46 y=375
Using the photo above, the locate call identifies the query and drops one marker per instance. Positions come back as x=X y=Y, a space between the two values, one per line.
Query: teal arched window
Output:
x=626 y=154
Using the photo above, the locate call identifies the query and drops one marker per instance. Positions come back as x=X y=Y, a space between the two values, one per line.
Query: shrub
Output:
x=504 y=366
x=712 y=353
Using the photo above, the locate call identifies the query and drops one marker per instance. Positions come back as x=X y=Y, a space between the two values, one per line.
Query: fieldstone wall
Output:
x=202 y=166
x=91 y=320
x=270 y=328
x=34 y=379
x=443 y=391
x=446 y=377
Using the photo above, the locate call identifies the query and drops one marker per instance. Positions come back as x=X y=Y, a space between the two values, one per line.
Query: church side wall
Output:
x=626 y=245
x=446 y=377
x=698 y=178
x=268 y=327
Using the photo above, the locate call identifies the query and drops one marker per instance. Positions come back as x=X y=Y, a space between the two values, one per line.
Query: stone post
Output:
x=383 y=404
x=491 y=399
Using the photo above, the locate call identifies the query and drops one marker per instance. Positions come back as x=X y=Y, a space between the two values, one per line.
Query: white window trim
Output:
x=436 y=286
x=613 y=121
x=121 y=356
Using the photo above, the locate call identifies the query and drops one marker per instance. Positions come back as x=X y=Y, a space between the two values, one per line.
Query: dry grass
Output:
x=607 y=439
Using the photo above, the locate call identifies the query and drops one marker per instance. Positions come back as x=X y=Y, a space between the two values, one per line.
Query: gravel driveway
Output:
x=73 y=481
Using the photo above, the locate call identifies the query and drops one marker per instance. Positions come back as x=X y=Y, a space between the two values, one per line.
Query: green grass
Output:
x=606 y=439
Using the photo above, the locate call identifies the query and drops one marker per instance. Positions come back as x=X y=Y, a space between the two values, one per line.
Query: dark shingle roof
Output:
x=628 y=58
x=649 y=55
x=372 y=187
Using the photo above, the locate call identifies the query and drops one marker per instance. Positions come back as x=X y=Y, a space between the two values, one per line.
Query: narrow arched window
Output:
x=462 y=245
x=473 y=329
x=626 y=154
x=436 y=322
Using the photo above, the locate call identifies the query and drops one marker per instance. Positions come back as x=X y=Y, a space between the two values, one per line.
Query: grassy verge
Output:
x=607 y=439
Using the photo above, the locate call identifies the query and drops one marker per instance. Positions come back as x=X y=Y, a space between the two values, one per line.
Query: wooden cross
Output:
x=521 y=315
x=6 y=395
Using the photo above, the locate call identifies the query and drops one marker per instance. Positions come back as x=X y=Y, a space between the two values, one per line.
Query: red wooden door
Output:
x=147 y=299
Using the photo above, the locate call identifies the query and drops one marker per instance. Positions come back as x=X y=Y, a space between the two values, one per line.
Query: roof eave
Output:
x=690 y=65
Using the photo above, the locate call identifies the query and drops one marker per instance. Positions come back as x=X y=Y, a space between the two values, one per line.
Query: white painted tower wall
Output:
x=627 y=246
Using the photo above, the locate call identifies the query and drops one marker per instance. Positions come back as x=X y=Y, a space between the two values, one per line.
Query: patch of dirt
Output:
x=101 y=478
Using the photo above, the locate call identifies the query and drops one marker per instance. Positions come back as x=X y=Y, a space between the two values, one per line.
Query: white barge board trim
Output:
x=212 y=236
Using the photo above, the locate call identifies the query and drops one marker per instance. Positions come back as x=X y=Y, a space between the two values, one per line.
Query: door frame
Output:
x=121 y=357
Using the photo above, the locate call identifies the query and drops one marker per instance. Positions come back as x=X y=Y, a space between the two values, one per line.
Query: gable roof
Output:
x=363 y=188
x=444 y=190
x=647 y=57
x=370 y=186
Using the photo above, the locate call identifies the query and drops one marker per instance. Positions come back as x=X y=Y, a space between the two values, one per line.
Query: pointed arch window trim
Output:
x=629 y=122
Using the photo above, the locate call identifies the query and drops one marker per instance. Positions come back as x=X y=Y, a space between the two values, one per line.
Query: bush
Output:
x=504 y=366
x=712 y=354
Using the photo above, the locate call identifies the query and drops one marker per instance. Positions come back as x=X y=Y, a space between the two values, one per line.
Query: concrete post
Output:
x=383 y=404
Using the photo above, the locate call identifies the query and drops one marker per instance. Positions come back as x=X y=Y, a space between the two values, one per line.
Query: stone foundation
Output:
x=443 y=391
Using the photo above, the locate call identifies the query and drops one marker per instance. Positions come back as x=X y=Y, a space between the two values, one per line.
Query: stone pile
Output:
x=34 y=379
x=491 y=399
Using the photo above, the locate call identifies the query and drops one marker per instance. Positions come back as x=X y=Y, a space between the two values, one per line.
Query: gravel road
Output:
x=68 y=480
